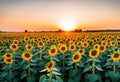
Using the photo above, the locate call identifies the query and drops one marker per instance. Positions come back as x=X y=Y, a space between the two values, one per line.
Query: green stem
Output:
x=93 y=67
x=63 y=62
x=11 y=72
x=50 y=77
x=75 y=65
x=114 y=68
x=29 y=69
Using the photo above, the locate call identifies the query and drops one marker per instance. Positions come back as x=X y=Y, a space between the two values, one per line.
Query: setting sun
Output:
x=67 y=25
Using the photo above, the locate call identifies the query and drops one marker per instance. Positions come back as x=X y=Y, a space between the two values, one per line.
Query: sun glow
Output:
x=67 y=25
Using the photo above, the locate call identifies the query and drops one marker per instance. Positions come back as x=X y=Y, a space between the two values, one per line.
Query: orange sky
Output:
x=47 y=15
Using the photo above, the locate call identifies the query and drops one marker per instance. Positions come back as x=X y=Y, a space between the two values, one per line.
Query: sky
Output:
x=37 y=15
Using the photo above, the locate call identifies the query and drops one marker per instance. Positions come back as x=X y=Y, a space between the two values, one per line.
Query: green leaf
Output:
x=73 y=72
x=97 y=60
x=23 y=75
x=87 y=68
x=33 y=70
x=31 y=78
x=56 y=73
x=42 y=78
x=3 y=74
x=71 y=80
x=56 y=69
x=43 y=70
x=88 y=60
x=80 y=64
x=93 y=78
x=115 y=77
x=98 y=67
x=58 y=79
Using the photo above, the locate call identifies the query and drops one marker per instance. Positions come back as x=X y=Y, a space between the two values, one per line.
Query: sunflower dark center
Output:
x=8 y=60
x=101 y=47
x=13 y=46
x=63 y=48
x=76 y=56
x=113 y=42
x=50 y=65
x=8 y=55
x=26 y=38
x=29 y=47
x=15 y=42
x=79 y=44
x=52 y=50
x=81 y=51
x=94 y=52
x=96 y=46
x=40 y=43
x=118 y=43
x=27 y=55
x=72 y=47
x=116 y=55
x=85 y=44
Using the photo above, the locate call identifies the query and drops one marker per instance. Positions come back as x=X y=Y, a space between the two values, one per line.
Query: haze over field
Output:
x=18 y=15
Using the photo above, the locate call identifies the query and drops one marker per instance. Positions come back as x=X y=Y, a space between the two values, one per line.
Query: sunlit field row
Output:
x=60 y=57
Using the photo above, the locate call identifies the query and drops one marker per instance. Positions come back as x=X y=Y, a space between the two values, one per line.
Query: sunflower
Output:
x=48 y=42
x=8 y=60
x=112 y=43
x=40 y=44
x=102 y=48
x=94 y=53
x=29 y=47
x=59 y=45
x=79 y=43
x=26 y=38
x=63 y=48
x=104 y=43
x=85 y=44
x=15 y=41
x=96 y=46
x=50 y=66
x=53 y=50
x=27 y=56
x=115 y=56
x=76 y=57
x=118 y=43
x=72 y=47
x=7 y=55
x=14 y=47
x=81 y=51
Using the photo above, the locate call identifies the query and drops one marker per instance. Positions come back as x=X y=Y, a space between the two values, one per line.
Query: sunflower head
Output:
x=27 y=56
x=102 y=48
x=81 y=51
x=50 y=66
x=85 y=44
x=118 y=43
x=79 y=43
x=72 y=47
x=26 y=39
x=76 y=57
x=14 y=47
x=115 y=57
x=7 y=55
x=40 y=44
x=53 y=50
x=63 y=48
x=15 y=41
x=94 y=53
x=97 y=46
x=8 y=60
x=112 y=43
x=29 y=47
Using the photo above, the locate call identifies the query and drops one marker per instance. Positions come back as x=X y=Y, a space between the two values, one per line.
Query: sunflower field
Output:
x=60 y=57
